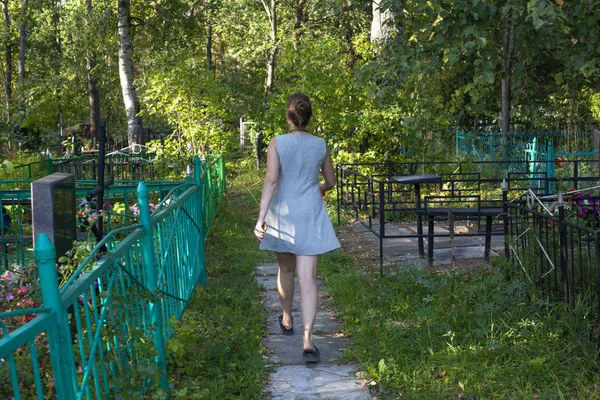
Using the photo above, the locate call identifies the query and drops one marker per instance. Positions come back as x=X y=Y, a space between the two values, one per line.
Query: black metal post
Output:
x=381 y=224
x=576 y=174
x=419 y=219
x=100 y=197
x=562 y=237
x=597 y=245
x=337 y=190
x=505 y=216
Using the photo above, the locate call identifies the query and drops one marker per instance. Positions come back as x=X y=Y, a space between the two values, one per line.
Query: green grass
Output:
x=217 y=352
x=470 y=334
x=418 y=334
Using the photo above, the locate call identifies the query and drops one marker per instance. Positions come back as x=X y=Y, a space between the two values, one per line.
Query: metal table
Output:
x=417 y=180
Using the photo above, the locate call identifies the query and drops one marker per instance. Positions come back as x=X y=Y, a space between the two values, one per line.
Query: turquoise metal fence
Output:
x=102 y=334
x=540 y=150
x=120 y=167
x=513 y=146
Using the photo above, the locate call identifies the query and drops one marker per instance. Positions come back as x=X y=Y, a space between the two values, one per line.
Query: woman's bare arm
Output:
x=328 y=173
x=269 y=186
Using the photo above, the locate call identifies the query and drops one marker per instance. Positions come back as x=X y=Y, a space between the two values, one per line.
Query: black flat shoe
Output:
x=284 y=330
x=312 y=357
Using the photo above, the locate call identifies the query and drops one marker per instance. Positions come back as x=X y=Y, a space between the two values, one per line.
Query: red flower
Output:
x=22 y=289
x=28 y=303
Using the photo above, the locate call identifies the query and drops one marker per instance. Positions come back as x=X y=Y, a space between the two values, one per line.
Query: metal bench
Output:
x=469 y=207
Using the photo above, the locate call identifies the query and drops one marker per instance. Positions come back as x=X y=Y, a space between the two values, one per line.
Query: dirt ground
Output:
x=366 y=251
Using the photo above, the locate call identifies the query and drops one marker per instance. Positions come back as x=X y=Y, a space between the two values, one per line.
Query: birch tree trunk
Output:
x=272 y=14
x=8 y=58
x=130 y=98
x=22 y=42
x=380 y=24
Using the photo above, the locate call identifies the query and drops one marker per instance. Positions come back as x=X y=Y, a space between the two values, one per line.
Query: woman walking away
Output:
x=293 y=220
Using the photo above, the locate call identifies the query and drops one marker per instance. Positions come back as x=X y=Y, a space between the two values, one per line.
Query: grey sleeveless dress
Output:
x=297 y=221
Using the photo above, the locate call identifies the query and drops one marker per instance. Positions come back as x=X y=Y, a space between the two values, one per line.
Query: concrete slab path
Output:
x=293 y=379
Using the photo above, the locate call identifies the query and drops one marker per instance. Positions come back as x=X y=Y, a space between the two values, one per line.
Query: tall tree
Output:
x=21 y=66
x=507 y=61
x=93 y=94
x=271 y=10
x=8 y=58
x=135 y=133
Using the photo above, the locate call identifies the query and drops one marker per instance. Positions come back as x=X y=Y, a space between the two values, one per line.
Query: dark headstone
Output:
x=53 y=207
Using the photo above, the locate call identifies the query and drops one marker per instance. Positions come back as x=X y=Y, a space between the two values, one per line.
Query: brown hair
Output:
x=298 y=109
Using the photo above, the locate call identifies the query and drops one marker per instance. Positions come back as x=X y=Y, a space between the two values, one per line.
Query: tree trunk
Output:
x=132 y=105
x=8 y=57
x=21 y=67
x=93 y=94
x=209 y=61
x=93 y=97
x=299 y=19
x=272 y=14
x=349 y=35
x=57 y=45
x=22 y=42
x=380 y=24
x=509 y=50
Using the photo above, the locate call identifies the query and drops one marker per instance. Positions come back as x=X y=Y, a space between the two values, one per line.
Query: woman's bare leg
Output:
x=285 y=285
x=307 y=278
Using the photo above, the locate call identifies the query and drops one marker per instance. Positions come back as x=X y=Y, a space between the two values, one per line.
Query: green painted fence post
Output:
x=58 y=338
x=550 y=166
x=152 y=283
x=49 y=166
x=200 y=215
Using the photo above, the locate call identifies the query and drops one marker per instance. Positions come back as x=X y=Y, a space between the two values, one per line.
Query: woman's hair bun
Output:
x=299 y=109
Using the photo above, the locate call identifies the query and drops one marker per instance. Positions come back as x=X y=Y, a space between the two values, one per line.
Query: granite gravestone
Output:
x=53 y=208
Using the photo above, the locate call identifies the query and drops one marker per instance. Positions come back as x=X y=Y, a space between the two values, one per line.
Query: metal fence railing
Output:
x=531 y=144
x=120 y=167
x=369 y=193
x=120 y=208
x=554 y=245
x=103 y=333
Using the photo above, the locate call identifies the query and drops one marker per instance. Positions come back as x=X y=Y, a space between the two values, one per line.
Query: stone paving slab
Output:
x=294 y=379
x=287 y=350
x=324 y=382
x=271 y=299
x=325 y=323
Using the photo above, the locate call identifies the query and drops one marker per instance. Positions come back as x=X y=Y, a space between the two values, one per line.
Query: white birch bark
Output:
x=130 y=98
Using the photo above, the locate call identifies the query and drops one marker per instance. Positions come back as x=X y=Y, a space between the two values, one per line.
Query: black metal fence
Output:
x=367 y=191
x=554 y=245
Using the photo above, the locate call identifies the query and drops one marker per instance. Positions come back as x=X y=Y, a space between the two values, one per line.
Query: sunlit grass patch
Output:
x=470 y=333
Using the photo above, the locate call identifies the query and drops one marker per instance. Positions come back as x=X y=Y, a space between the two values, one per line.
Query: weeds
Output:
x=217 y=351
x=421 y=336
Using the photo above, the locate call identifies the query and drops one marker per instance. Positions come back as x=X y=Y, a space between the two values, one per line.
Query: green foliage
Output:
x=441 y=68
x=216 y=352
x=469 y=333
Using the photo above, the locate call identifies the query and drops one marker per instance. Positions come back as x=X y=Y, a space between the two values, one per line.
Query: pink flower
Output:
x=28 y=303
x=22 y=289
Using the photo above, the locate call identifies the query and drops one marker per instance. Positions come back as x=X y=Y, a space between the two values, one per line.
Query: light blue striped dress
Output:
x=297 y=221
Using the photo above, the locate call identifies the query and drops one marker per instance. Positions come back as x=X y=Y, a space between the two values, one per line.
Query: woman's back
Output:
x=297 y=219
x=300 y=159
